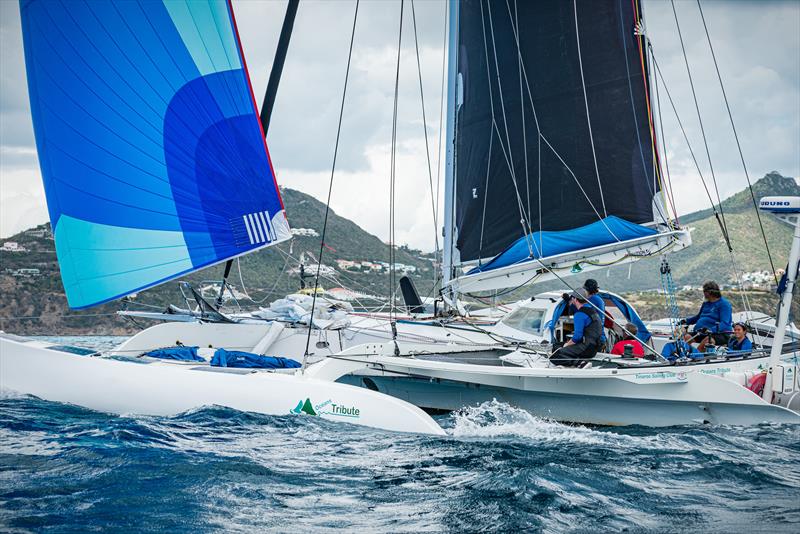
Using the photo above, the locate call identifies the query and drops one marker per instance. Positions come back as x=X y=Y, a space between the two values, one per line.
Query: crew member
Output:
x=681 y=347
x=740 y=342
x=630 y=340
x=714 y=318
x=597 y=302
x=585 y=340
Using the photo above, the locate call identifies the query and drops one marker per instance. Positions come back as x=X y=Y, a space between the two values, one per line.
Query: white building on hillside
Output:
x=12 y=246
x=305 y=232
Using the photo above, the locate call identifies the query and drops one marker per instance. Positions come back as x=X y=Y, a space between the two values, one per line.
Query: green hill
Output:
x=36 y=304
x=708 y=257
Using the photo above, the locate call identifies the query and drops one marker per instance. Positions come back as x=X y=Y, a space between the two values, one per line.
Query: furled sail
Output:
x=151 y=150
x=553 y=128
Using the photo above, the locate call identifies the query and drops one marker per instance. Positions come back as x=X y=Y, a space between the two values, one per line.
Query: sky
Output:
x=757 y=44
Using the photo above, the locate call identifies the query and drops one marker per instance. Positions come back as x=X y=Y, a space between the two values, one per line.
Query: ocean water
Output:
x=67 y=469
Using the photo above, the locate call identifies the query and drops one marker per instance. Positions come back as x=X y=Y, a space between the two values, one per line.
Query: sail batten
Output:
x=149 y=141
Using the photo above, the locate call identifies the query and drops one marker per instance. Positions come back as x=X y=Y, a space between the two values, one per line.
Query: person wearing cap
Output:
x=585 y=340
x=596 y=301
x=714 y=318
x=636 y=349
x=740 y=342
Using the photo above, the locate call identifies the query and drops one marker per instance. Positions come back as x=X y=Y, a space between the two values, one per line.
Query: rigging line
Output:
x=738 y=277
x=591 y=204
x=393 y=174
x=689 y=146
x=491 y=129
x=671 y=195
x=523 y=75
x=524 y=217
x=271 y=290
x=651 y=189
x=550 y=146
x=738 y=144
x=522 y=110
x=330 y=186
x=425 y=129
x=485 y=195
x=438 y=253
x=700 y=120
x=586 y=103
x=640 y=34
x=353 y=282
x=526 y=233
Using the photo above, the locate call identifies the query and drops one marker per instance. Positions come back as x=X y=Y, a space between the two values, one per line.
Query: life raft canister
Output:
x=756 y=383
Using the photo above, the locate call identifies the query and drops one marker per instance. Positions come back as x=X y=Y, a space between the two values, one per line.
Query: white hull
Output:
x=597 y=396
x=649 y=396
x=161 y=388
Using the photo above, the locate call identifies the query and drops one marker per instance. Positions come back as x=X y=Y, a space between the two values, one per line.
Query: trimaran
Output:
x=155 y=165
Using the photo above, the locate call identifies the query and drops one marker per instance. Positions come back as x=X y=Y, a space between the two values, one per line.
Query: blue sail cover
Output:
x=152 y=154
x=545 y=244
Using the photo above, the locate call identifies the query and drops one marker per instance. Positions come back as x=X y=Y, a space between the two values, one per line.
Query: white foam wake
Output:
x=494 y=418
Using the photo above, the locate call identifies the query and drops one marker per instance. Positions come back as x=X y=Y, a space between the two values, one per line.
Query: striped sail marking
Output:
x=259 y=227
x=249 y=231
x=267 y=226
x=254 y=220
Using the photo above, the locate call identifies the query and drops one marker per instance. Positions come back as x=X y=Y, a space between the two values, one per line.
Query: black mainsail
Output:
x=553 y=130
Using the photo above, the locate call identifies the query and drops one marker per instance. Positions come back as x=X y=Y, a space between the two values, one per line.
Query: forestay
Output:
x=151 y=150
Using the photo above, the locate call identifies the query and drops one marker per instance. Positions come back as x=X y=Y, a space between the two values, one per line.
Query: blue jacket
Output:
x=582 y=320
x=598 y=305
x=745 y=346
x=670 y=350
x=716 y=316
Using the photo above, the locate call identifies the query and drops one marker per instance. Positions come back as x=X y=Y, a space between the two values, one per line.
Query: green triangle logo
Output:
x=304 y=407
x=576 y=268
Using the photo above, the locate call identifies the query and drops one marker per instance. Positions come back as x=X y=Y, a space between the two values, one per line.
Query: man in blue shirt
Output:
x=585 y=340
x=714 y=318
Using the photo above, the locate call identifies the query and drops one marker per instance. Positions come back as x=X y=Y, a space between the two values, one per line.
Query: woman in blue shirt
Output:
x=740 y=342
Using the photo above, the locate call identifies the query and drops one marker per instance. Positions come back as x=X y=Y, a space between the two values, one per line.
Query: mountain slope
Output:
x=37 y=304
x=708 y=257
x=267 y=274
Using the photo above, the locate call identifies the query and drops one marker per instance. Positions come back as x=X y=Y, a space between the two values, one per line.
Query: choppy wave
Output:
x=63 y=468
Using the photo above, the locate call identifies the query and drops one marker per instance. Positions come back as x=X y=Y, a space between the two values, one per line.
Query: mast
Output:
x=449 y=175
x=277 y=64
x=786 y=209
x=269 y=102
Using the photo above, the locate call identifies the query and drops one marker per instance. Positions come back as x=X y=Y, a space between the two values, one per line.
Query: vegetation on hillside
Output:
x=31 y=305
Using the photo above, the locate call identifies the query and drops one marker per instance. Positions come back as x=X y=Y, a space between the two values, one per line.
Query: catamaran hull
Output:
x=710 y=392
x=448 y=395
x=124 y=387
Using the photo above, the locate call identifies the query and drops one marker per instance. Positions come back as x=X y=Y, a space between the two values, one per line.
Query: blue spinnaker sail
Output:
x=152 y=154
x=609 y=230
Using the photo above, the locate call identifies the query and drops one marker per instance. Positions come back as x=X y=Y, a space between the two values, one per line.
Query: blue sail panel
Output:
x=544 y=244
x=151 y=150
